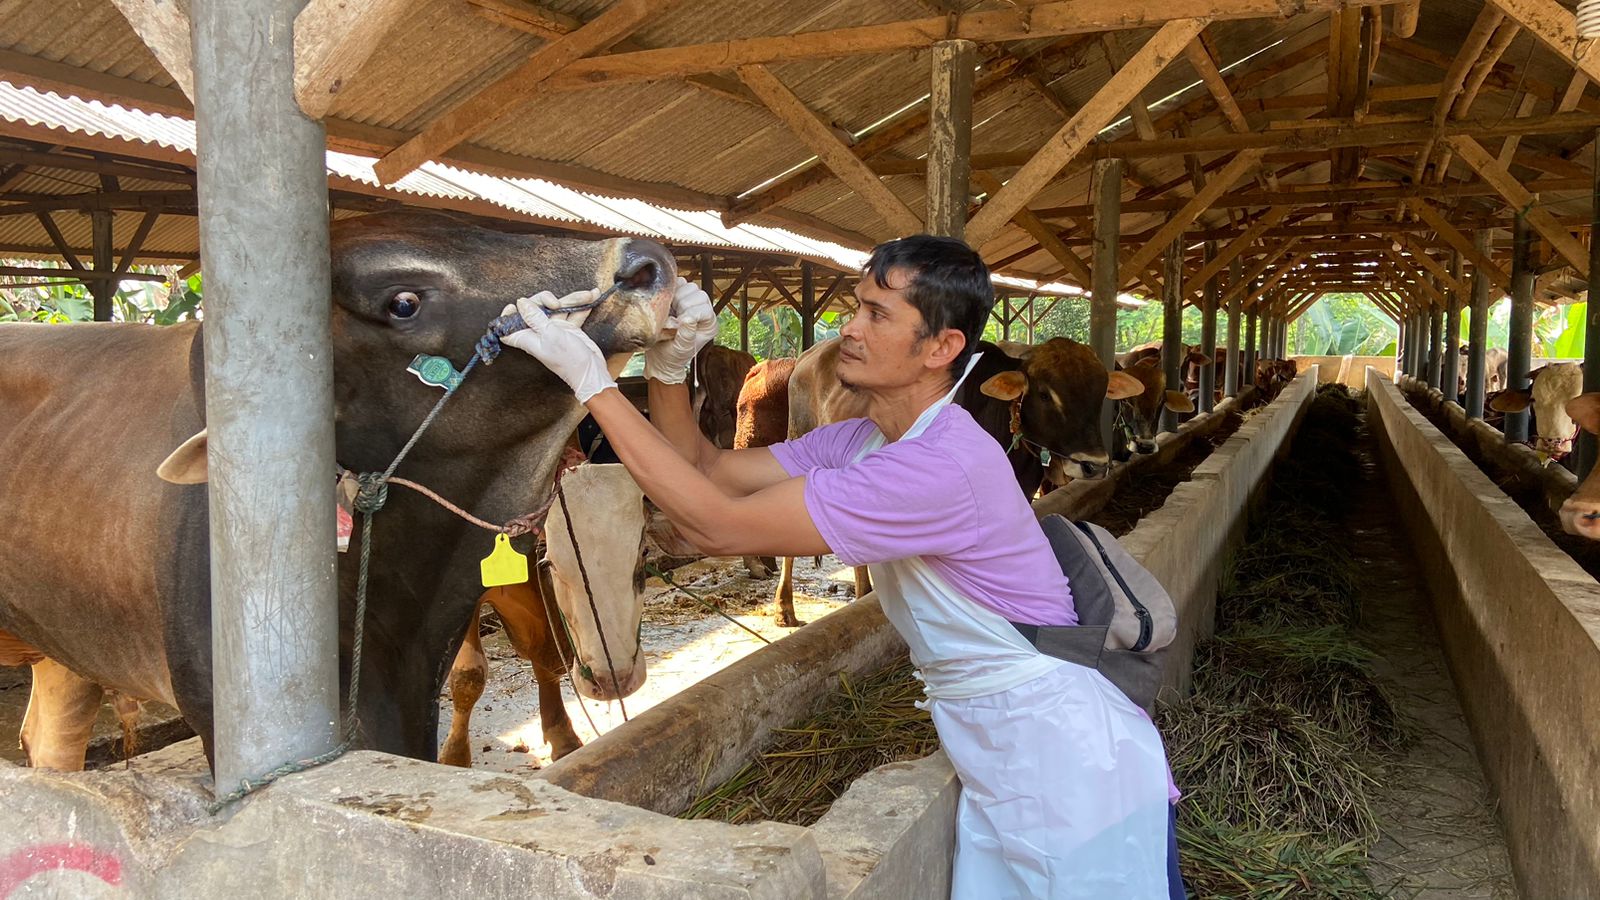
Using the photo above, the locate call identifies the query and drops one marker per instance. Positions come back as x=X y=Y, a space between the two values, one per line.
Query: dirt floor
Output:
x=1440 y=838
x=683 y=643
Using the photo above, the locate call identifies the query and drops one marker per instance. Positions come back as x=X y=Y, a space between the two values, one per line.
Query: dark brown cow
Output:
x=1142 y=412
x=120 y=596
x=1272 y=375
x=719 y=374
x=1580 y=513
x=1055 y=389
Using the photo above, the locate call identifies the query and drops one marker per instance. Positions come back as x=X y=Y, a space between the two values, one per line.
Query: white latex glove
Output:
x=667 y=361
x=553 y=305
x=561 y=346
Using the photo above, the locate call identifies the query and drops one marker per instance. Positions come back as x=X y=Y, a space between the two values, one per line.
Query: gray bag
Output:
x=1125 y=617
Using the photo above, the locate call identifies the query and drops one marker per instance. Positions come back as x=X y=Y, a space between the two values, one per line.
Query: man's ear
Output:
x=948 y=345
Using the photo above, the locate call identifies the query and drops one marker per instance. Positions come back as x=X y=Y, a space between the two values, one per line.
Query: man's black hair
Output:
x=949 y=285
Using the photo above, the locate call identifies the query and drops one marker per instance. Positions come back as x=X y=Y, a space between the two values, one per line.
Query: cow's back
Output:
x=95 y=542
x=763 y=407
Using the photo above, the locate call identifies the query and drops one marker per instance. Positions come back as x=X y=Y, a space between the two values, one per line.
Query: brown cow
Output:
x=1045 y=406
x=763 y=421
x=719 y=374
x=1142 y=412
x=1273 y=374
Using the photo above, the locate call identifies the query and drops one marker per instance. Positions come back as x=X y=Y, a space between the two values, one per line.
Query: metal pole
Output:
x=1435 y=342
x=1519 y=345
x=1210 y=299
x=1172 y=328
x=1478 y=330
x=1250 y=347
x=1588 y=447
x=1103 y=302
x=744 y=318
x=1230 y=378
x=263 y=207
x=1450 y=375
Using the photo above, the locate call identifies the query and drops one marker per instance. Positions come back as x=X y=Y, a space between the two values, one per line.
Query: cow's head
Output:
x=1194 y=359
x=608 y=517
x=1144 y=408
x=1549 y=391
x=1059 y=389
x=406 y=284
x=1580 y=513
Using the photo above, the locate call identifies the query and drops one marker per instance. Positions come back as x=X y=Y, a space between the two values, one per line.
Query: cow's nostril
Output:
x=646 y=266
x=643 y=276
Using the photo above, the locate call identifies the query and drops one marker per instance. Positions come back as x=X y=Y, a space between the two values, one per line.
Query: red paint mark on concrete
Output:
x=65 y=857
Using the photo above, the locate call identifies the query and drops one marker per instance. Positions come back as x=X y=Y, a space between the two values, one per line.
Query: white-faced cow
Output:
x=552 y=623
x=1549 y=390
x=106 y=569
x=1044 y=405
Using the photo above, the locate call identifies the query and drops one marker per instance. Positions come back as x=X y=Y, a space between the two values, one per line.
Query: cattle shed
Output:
x=1245 y=157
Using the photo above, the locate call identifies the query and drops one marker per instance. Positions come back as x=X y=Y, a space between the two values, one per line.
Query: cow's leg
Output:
x=784 y=597
x=468 y=674
x=863 y=582
x=127 y=709
x=760 y=566
x=543 y=643
x=60 y=718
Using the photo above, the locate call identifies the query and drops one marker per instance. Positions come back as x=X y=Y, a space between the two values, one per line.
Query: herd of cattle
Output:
x=105 y=584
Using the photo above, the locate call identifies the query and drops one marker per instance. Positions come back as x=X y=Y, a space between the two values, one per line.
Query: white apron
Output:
x=1063 y=779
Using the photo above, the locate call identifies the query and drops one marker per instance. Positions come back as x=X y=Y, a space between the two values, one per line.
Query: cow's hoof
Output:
x=562 y=745
x=787 y=621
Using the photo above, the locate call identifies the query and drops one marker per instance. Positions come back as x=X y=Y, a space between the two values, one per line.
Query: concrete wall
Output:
x=372 y=825
x=1349 y=370
x=1520 y=624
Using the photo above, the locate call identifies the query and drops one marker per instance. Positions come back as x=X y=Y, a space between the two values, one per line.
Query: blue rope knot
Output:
x=373 y=493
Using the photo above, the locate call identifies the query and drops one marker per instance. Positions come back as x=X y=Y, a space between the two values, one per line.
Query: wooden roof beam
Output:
x=506 y=94
x=1453 y=237
x=1557 y=28
x=1470 y=52
x=1489 y=168
x=163 y=26
x=824 y=143
x=1174 y=227
x=1046 y=236
x=1405 y=18
x=1240 y=244
x=1072 y=137
x=332 y=41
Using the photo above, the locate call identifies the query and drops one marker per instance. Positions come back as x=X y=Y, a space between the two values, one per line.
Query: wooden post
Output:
x=744 y=317
x=1212 y=293
x=1435 y=341
x=1172 y=328
x=102 y=289
x=1107 y=280
x=808 y=306
x=1230 y=378
x=1588 y=448
x=1478 y=329
x=1006 y=314
x=1519 y=343
x=1450 y=375
x=1250 y=348
x=950 y=136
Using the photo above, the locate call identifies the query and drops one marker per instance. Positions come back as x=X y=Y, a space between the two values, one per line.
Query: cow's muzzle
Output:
x=646 y=268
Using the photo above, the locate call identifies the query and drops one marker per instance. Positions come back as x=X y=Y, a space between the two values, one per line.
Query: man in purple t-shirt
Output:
x=1064 y=781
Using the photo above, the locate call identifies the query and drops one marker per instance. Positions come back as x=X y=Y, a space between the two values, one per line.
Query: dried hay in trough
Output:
x=864 y=723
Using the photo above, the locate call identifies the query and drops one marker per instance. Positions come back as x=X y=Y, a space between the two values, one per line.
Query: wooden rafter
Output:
x=1240 y=244
x=1557 y=28
x=1167 y=233
x=332 y=41
x=1521 y=200
x=1081 y=128
x=163 y=26
x=1455 y=239
x=1046 y=236
x=820 y=140
x=509 y=92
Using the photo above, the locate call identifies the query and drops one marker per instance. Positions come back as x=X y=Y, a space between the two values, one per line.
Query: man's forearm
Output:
x=673 y=416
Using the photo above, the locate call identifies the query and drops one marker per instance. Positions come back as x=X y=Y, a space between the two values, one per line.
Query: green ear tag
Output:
x=1044 y=458
x=435 y=371
x=504 y=565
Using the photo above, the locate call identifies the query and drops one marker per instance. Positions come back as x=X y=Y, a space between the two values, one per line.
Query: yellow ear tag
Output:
x=504 y=565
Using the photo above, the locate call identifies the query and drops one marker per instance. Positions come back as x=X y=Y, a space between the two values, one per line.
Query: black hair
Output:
x=949 y=286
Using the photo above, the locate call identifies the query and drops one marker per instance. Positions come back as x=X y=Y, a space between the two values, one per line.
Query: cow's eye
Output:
x=404 y=305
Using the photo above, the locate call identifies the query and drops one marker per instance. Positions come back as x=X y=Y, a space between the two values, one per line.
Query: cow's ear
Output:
x=1179 y=402
x=1121 y=386
x=1006 y=386
x=187 y=464
x=1511 y=401
x=1149 y=362
x=1585 y=410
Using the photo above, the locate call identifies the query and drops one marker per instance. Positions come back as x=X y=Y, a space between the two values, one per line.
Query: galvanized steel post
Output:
x=263 y=189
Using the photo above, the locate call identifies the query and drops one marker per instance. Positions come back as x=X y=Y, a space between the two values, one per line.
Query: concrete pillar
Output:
x=1250 y=352
x=1107 y=280
x=263 y=221
x=1230 y=378
x=950 y=136
x=1450 y=374
x=1172 y=327
x=1588 y=447
x=1519 y=343
x=1478 y=330
x=1210 y=297
x=1435 y=355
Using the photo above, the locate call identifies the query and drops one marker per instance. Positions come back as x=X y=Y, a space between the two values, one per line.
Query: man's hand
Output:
x=560 y=345
x=668 y=361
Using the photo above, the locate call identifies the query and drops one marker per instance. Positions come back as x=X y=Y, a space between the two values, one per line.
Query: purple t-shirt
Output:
x=946 y=495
